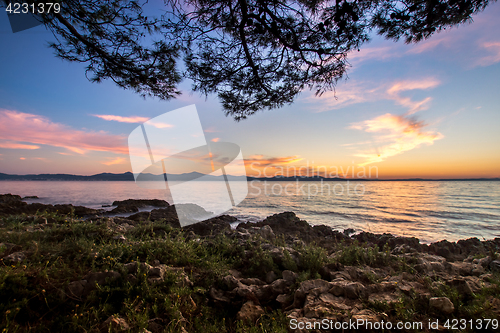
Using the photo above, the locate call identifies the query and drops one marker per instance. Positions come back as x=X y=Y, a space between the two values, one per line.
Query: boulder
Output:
x=354 y=290
x=271 y=277
x=213 y=226
x=15 y=258
x=125 y=209
x=141 y=203
x=461 y=285
x=267 y=233
x=442 y=304
x=250 y=312
x=495 y=265
x=290 y=276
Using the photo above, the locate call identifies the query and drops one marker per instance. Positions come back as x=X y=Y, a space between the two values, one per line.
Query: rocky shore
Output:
x=74 y=268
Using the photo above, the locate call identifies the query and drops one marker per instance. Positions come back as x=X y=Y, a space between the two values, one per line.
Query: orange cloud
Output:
x=14 y=145
x=121 y=119
x=398 y=134
x=117 y=160
x=210 y=130
x=268 y=167
x=26 y=127
x=215 y=139
x=260 y=160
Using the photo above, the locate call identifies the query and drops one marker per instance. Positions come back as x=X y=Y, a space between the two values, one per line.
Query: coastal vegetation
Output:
x=65 y=272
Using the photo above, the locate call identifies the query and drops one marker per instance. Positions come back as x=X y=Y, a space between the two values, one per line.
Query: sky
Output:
x=426 y=110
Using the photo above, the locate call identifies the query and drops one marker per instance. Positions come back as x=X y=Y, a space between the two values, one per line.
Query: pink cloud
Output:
x=461 y=43
x=413 y=106
x=14 y=145
x=215 y=140
x=362 y=92
x=26 y=127
x=121 y=119
x=492 y=47
x=347 y=94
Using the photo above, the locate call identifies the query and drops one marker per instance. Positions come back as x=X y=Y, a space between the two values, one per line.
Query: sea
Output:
x=429 y=210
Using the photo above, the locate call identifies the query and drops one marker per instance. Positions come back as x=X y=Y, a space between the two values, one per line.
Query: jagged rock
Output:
x=290 y=276
x=9 y=198
x=402 y=249
x=337 y=288
x=264 y=293
x=12 y=204
x=318 y=305
x=329 y=271
x=306 y=286
x=169 y=215
x=285 y=300
x=366 y=316
x=495 y=265
x=280 y=286
x=230 y=282
x=267 y=233
x=383 y=298
x=213 y=226
x=485 y=262
x=125 y=209
x=354 y=290
x=141 y=203
x=115 y=324
x=252 y=281
x=15 y=258
x=250 y=312
x=461 y=285
x=462 y=268
x=288 y=223
x=271 y=277
x=442 y=304
x=218 y=296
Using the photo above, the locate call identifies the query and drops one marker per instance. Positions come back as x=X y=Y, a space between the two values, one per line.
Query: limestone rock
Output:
x=250 y=312
x=442 y=304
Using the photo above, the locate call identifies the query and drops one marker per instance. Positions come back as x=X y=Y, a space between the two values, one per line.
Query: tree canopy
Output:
x=253 y=54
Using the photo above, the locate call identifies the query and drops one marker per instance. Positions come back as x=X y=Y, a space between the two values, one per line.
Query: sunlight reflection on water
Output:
x=429 y=210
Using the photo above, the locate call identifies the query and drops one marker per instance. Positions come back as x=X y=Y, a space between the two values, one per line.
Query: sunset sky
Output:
x=429 y=110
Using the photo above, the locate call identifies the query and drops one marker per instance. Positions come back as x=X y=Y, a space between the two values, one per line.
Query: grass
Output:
x=35 y=296
x=34 y=292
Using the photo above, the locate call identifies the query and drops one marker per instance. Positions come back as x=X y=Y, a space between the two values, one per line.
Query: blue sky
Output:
x=425 y=110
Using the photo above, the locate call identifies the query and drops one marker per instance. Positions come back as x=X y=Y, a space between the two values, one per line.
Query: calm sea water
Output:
x=429 y=210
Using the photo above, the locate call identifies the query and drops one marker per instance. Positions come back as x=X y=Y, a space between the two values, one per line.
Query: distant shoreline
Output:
x=128 y=176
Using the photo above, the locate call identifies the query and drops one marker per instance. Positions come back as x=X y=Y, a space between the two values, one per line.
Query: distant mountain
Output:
x=128 y=176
